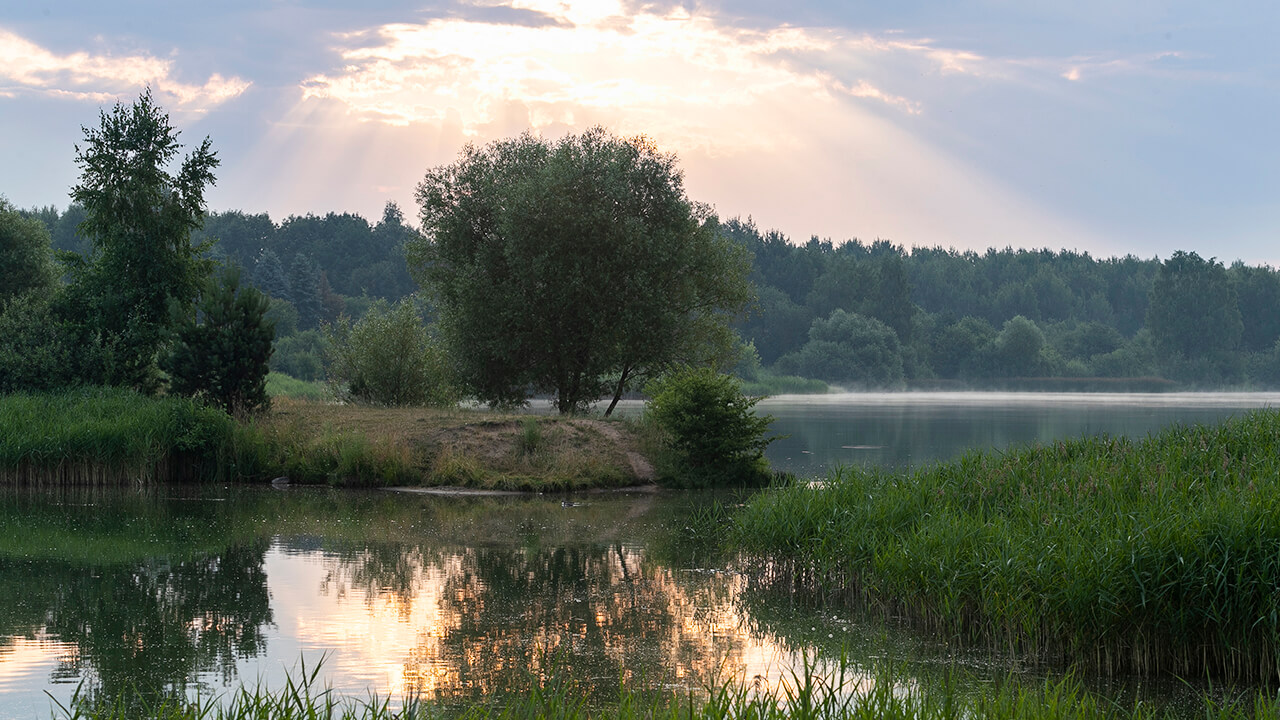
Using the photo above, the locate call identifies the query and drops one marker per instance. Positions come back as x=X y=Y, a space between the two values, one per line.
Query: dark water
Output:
x=453 y=598
x=911 y=429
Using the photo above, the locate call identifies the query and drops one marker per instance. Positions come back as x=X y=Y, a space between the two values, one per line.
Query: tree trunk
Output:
x=617 y=394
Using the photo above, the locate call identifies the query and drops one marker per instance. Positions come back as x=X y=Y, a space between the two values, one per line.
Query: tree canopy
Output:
x=138 y=217
x=572 y=267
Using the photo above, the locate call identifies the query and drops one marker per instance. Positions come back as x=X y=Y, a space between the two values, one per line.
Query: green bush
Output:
x=710 y=435
x=221 y=354
x=388 y=357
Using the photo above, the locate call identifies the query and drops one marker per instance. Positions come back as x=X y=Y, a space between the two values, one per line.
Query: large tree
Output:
x=1193 y=312
x=139 y=217
x=572 y=267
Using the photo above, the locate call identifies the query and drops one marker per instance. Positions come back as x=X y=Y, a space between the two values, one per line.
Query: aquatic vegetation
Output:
x=809 y=693
x=1155 y=556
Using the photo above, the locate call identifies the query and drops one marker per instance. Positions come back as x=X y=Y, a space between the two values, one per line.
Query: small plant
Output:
x=710 y=435
x=530 y=437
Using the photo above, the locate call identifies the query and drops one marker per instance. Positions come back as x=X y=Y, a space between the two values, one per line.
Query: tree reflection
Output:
x=158 y=607
x=533 y=602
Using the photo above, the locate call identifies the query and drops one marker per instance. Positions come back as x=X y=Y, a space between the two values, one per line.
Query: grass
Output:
x=103 y=436
x=281 y=385
x=107 y=436
x=1159 y=556
x=808 y=694
x=767 y=383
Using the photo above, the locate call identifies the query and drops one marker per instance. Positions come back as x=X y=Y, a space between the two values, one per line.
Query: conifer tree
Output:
x=221 y=353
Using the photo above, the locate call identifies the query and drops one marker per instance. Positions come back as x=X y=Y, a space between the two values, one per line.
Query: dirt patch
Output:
x=486 y=450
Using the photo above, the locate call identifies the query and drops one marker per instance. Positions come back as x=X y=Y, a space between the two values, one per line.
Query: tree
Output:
x=222 y=351
x=1018 y=348
x=269 y=277
x=572 y=267
x=139 y=218
x=304 y=283
x=1193 y=310
x=388 y=357
x=25 y=255
x=848 y=348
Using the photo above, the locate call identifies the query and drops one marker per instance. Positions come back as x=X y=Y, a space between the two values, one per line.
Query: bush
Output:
x=388 y=358
x=710 y=435
x=222 y=355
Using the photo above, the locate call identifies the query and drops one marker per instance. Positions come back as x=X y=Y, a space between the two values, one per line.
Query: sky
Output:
x=1136 y=127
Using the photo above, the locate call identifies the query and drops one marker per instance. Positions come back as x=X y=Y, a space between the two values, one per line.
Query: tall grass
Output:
x=1159 y=556
x=807 y=694
x=107 y=436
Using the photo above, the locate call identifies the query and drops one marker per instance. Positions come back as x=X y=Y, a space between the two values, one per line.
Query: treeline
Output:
x=314 y=268
x=850 y=314
x=855 y=314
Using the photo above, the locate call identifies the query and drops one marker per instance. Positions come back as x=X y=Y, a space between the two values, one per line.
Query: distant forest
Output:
x=850 y=314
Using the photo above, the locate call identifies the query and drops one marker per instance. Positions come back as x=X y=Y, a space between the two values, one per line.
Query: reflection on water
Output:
x=457 y=598
x=448 y=598
x=901 y=430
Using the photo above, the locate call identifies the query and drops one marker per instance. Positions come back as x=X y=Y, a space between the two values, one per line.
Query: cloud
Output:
x=669 y=73
x=28 y=67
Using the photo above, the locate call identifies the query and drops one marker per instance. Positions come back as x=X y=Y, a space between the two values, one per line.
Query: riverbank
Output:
x=99 y=436
x=1158 y=556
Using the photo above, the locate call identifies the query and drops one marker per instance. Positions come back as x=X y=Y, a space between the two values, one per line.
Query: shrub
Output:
x=710 y=435
x=222 y=355
x=388 y=357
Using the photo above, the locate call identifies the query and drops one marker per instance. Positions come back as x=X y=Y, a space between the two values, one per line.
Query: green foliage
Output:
x=710 y=433
x=304 y=284
x=1154 y=557
x=36 y=352
x=1258 y=292
x=388 y=357
x=25 y=255
x=108 y=435
x=139 y=218
x=848 y=349
x=572 y=267
x=221 y=352
x=1194 y=316
x=301 y=355
x=269 y=277
x=1019 y=349
x=281 y=385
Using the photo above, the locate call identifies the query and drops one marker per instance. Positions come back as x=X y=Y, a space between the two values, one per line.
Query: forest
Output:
x=851 y=314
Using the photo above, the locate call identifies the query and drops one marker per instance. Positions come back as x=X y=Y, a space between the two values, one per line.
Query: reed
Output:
x=107 y=436
x=808 y=694
x=1157 y=556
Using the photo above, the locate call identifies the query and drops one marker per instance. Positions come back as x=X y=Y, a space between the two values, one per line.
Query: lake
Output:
x=457 y=598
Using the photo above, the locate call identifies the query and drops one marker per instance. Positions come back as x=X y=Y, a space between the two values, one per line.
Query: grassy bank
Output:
x=1152 y=556
x=103 y=436
x=107 y=436
x=810 y=694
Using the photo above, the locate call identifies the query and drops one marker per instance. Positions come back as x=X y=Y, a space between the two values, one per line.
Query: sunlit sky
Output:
x=1114 y=127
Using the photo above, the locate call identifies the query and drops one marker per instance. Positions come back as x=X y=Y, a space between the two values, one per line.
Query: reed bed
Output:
x=1158 y=556
x=107 y=437
x=838 y=694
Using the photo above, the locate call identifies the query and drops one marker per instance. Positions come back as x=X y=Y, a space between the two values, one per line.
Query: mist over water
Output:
x=903 y=430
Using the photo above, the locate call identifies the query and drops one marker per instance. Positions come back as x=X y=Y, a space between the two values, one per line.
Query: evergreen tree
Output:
x=269 y=277
x=222 y=352
x=304 y=281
